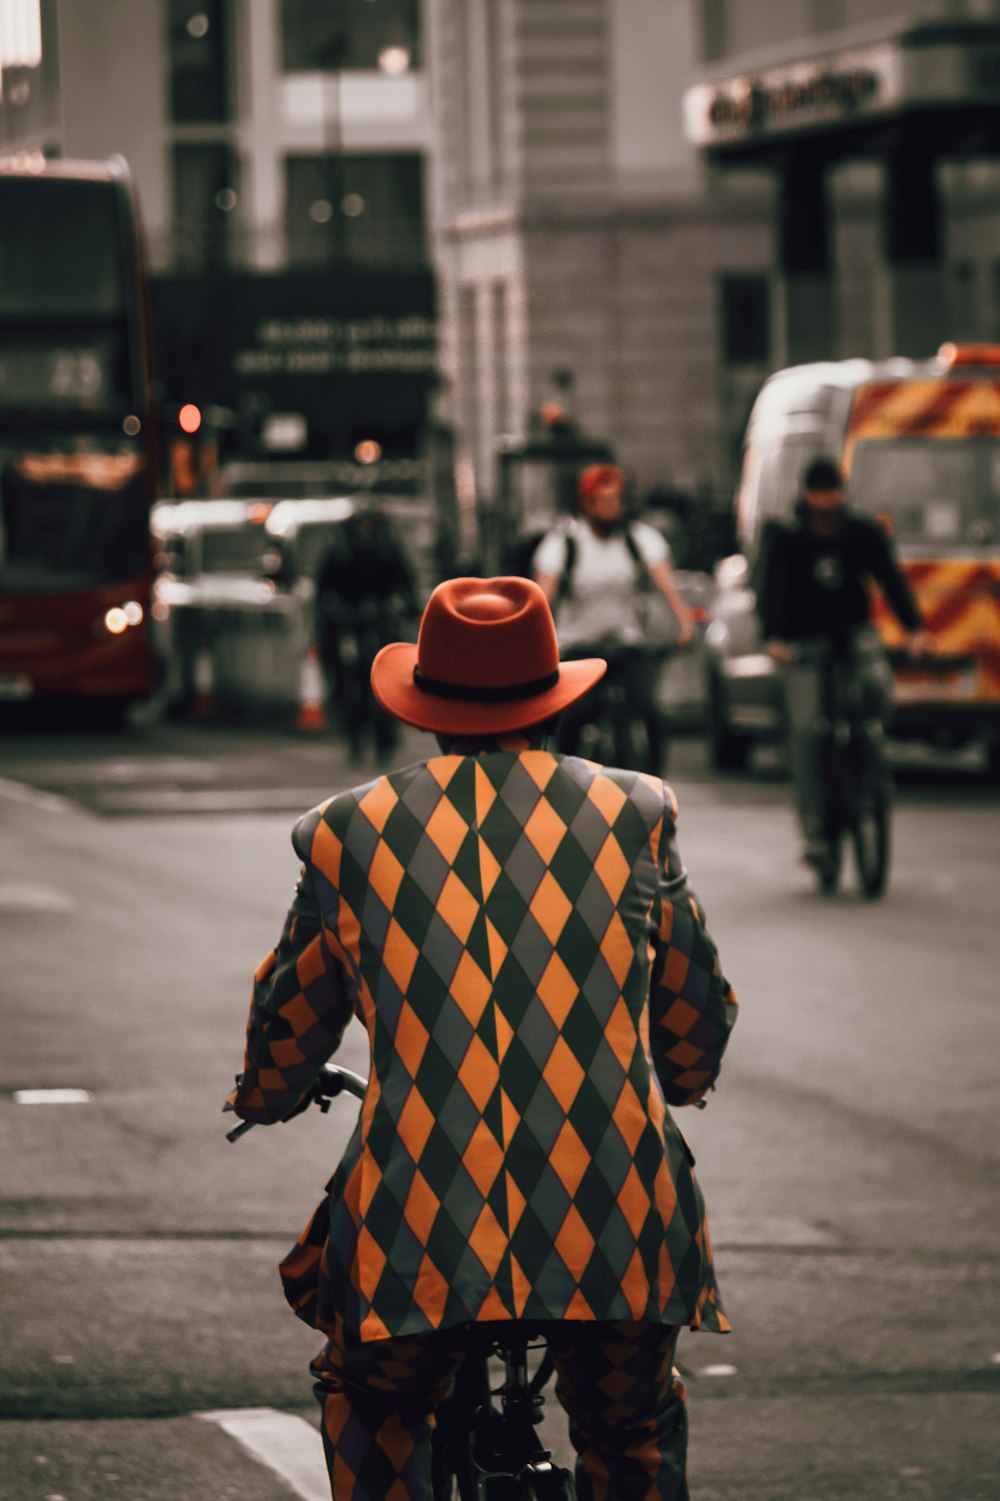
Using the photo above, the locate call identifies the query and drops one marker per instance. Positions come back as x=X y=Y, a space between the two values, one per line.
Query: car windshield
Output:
x=936 y=490
x=235 y=551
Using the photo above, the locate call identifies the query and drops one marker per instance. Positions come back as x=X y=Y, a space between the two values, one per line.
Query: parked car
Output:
x=231 y=599
x=235 y=597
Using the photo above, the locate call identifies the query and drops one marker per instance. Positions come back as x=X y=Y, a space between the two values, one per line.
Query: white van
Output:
x=919 y=443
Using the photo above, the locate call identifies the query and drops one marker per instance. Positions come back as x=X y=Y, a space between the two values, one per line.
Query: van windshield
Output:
x=937 y=490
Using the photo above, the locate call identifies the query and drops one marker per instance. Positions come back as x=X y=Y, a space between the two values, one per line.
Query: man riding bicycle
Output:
x=515 y=931
x=815 y=593
x=594 y=569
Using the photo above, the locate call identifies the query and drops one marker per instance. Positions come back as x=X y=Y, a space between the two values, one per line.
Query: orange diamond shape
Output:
x=574 y=1243
x=557 y=990
x=457 y=906
x=399 y=955
x=443 y=768
x=545 y=829
x=470 y=989
x=607 y=797
x=384 y=874
x=378 y=802
x=569 y=1158
x=633 y=1201
x=680 y=1018
x=611 y=868
x=410 y=1039
x=311 y=963
x=540 y=766
x=550 y=907
x=563 y=1073
x=415 y=1124
x=478 y=1072
x=617 y=948
x=421 y=1207
x=488 y=1240
x=483 y=1158
x=686 y=1054
x=675 y=970
x=446 y=828
x=370 y=1261
x=629 y=1116
x=430 y=1293
x=326 y=852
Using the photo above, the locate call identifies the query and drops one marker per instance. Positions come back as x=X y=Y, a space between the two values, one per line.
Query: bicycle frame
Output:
x=855 y=774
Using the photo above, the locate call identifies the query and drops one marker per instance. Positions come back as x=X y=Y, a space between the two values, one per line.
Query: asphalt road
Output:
x=849 y=1157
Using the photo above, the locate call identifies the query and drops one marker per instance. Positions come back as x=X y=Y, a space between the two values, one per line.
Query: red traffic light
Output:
x=189 y=417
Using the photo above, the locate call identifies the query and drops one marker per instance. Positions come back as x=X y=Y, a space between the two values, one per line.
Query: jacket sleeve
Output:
x=893 y=582
x=692 y=1005
x=772 y=582
x=301 y=1004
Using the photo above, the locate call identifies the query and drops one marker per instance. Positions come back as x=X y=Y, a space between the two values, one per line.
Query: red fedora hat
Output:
x=486 y=660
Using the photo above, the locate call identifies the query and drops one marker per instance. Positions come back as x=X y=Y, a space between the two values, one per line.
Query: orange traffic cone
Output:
x=312 y=714
x=203 y=704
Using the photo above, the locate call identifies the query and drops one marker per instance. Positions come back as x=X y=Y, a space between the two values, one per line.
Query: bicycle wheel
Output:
x=870 y=834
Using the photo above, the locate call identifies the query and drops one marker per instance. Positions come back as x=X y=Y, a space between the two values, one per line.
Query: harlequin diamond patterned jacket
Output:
x=515 y=931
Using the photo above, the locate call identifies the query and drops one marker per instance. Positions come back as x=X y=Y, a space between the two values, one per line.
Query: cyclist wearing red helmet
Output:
x=594 y=569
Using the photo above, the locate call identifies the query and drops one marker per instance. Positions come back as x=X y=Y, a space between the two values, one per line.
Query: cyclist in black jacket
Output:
x=815 y=589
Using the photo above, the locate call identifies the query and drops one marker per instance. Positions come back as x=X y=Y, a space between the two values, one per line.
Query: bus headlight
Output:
x=120 y=617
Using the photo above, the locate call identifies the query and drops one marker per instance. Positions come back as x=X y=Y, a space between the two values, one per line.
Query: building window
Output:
x=206 y=196
x=713 y=29
x=363 y=208
x=198 y=52
x=366 y=34
x=745 y=319
x=499 y=339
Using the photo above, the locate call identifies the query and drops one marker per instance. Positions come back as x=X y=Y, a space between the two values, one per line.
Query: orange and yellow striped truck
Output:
x=919 y=442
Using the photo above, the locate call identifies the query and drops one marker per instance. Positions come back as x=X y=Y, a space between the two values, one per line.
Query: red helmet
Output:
x=596 y=475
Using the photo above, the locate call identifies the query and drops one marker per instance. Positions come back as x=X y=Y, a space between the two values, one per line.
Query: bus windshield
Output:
x=937 y=491
x=63 y=298
x=60 y=251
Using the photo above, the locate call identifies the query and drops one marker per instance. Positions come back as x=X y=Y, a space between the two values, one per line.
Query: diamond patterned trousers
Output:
x=616 y=1381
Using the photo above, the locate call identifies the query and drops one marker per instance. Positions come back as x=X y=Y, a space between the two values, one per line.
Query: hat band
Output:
x=482 y=694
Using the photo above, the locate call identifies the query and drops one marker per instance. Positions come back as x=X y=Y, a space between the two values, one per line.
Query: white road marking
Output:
x=287 y=1445
x=214 y=800
x=52 y=1096
x=46 y=802
x=718 y=1370
x=21 y=896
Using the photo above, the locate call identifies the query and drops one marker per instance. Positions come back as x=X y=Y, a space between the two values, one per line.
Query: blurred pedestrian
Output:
x=365 y=592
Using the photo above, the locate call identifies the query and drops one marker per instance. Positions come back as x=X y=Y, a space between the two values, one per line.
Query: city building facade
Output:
x=280 y=151
x=618 y=227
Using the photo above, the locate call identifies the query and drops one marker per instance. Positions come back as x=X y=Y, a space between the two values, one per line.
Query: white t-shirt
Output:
x=603 y=602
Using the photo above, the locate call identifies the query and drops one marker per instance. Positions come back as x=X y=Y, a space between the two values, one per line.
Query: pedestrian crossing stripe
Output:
x=287 y=1445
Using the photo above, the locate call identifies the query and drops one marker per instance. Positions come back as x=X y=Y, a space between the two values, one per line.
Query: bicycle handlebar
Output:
x=331 y=1081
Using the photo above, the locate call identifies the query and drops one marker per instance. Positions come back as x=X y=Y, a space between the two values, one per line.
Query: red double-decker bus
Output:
x=77 y=455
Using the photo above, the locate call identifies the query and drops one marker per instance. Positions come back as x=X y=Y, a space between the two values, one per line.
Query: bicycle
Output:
x=485 y=1445
x=856 y=780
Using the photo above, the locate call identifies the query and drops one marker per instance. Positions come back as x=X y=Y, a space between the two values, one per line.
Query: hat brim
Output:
x=394 y=687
